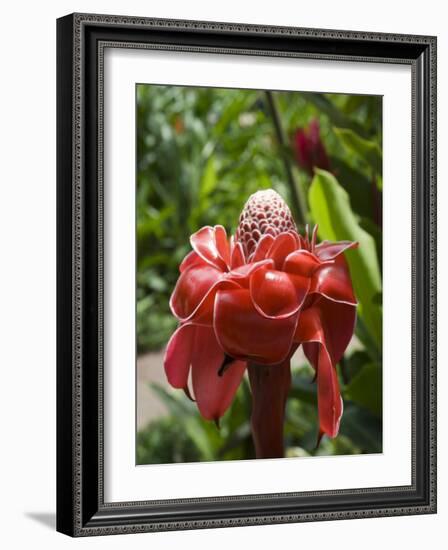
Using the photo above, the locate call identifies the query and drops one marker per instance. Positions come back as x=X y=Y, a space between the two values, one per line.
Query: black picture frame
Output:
x=81 y=510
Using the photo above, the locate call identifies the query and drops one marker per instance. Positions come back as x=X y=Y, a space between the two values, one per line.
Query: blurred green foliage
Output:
x=184 y=436
x=200 y=153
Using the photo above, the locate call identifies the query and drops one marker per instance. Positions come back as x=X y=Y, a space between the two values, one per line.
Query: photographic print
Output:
x=259 y=274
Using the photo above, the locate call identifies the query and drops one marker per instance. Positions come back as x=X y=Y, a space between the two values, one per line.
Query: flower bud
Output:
x=265 y=213
x=309 y=148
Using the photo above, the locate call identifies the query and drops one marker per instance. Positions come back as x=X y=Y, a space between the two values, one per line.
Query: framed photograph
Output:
x=246 y=274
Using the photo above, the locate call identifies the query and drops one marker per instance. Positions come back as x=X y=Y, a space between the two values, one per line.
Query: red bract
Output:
x=252 y=300
x=309 y=149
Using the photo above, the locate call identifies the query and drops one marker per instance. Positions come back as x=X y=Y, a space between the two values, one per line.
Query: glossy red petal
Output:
x=339 y=322
x=242 y=274
x=222 y=244
x=301 y=262
x=191 y=288
x=336 y=320
x=276 y=294
x=191 y=259
x=245 y=334
x=204 y=244
x=282 y=246
x=263 y=246
x=333 y=282
x=237 y=259
x=213 y=393
x=314 y=332
x=178 y=356
x=203 y=315
x=328 y=251
x=329 y=399
x=297 y=239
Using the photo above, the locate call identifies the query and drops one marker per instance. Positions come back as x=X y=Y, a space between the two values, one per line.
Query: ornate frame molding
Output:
x=81 y=42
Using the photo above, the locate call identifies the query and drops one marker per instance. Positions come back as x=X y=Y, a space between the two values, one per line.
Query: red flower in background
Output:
x=253 y=300
x=309 y=148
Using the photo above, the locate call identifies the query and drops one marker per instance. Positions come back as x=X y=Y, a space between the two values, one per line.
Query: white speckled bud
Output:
x=265 y=213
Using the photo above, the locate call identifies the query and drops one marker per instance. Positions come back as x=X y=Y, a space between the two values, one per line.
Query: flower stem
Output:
x=283 y=143
x=270 y=386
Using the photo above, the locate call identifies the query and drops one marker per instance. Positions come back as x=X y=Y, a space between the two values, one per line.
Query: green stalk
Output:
x=296 y=203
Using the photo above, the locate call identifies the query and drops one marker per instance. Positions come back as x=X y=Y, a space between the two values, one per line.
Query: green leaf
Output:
x=363 y=428
x=357 y=185
x=336 y=116
x=184 y=411
x=366 y=389
x=355 y=362
x=373 y=229
x=304 y=390
x=176 y=407
x=366 y=150
x=364 y=336
x=233 y=106
x=164 y=441
x=353 y=102
x=208 y=179
x=330 y=208
x=241 y=434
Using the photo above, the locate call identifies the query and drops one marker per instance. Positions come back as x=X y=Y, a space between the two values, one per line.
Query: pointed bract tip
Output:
x=188 y=394
x=319 y=439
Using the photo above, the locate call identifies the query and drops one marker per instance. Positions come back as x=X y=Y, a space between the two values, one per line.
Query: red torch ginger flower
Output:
x=309 y=148
x=252 y=300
